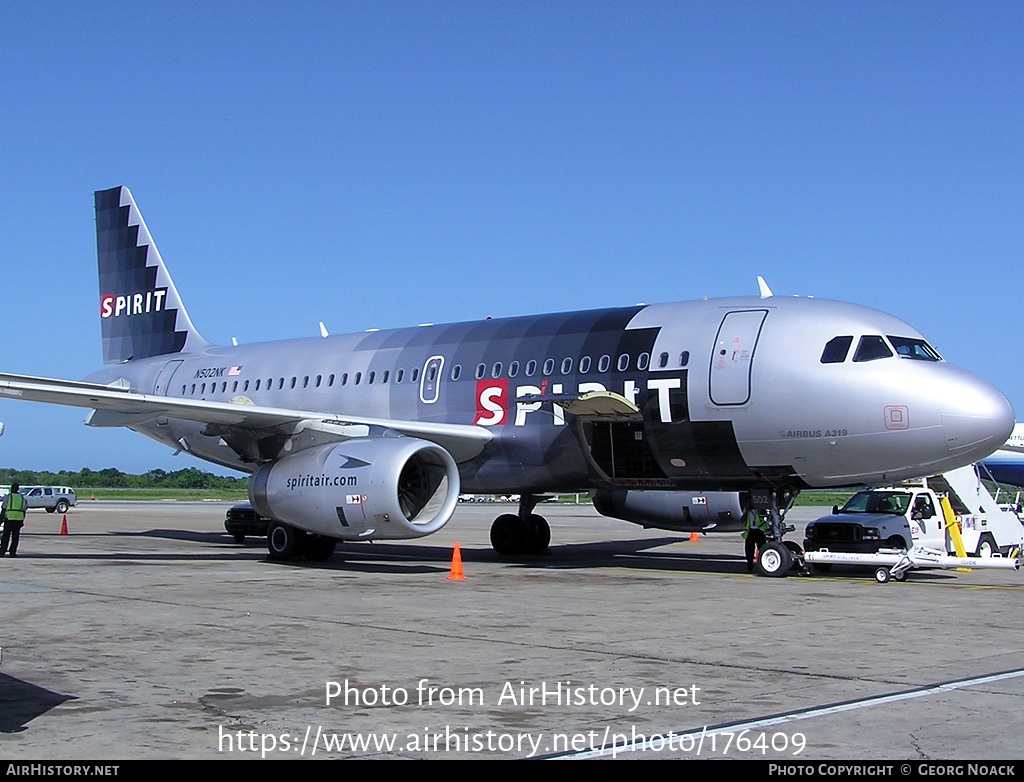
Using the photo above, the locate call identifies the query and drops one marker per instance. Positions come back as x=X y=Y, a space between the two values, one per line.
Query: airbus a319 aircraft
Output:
x=373 y=435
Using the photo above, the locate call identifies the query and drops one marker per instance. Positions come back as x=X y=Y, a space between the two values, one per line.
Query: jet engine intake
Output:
x=363 y=489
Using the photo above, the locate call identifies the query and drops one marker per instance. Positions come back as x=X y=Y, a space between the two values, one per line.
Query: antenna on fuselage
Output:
x=323 y=329
x=766 y=292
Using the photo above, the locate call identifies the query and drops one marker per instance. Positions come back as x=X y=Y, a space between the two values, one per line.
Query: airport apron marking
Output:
x=803 y=714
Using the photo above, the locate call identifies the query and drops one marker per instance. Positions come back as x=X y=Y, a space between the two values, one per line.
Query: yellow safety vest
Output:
x=15 y=507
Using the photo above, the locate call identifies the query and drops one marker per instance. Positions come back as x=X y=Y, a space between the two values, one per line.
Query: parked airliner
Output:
x=1006 y=465
x=373 y=435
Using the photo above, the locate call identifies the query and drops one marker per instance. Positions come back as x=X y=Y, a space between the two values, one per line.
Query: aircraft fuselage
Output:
x=732 y=393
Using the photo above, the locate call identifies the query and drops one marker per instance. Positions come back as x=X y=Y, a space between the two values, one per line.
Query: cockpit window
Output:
x=835 y=350
x=910 y=347
x=870 y=348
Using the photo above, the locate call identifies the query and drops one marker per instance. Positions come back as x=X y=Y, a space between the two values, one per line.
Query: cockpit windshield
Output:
x=871 y=347
x=911 y=347
x=895 y=502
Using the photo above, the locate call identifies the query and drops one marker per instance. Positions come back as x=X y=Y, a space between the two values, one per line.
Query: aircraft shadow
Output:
x=664 y=554
x=21 y=702
x=620 y=553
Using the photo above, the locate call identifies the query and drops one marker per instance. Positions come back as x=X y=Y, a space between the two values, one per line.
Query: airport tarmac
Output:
x=147 y=633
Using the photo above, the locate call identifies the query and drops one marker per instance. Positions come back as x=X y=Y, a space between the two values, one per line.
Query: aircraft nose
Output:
x=976 y=418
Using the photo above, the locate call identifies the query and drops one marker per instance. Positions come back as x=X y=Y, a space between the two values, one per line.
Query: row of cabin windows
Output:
x=547 y=368
x=565 y=367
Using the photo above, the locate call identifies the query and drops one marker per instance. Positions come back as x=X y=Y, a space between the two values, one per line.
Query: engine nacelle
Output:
x=364 y=489
x=682 y=511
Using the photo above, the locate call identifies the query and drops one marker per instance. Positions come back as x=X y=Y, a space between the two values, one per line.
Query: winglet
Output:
x=766 y=292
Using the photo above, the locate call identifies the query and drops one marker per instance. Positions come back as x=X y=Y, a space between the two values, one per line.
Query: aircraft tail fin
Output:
x=141 y=314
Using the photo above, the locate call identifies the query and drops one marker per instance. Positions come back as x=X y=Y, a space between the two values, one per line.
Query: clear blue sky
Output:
x=391 y=163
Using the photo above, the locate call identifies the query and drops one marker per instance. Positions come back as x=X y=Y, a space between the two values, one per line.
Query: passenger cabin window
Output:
x=642 y=361
x=603 y=363
x=909 y=347
x=481 y=370
x=566 y=366
x=549 y=366
x=871 y=348
x=663 y=361
x=836 y=350
x=584 y=365
x=531 y=367
x=456 y=371
x=684 y=358
x=513 y=369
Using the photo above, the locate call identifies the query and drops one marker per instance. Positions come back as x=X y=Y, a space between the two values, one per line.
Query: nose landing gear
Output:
x=777 y=557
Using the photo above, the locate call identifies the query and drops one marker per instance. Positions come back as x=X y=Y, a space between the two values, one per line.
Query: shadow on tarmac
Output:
x=21 y=702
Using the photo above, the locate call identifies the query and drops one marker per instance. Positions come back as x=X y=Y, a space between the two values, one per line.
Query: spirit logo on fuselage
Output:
x=492 y=400
x=112 y=306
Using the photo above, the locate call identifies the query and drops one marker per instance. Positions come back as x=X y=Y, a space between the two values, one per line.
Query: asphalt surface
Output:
x=146 y=632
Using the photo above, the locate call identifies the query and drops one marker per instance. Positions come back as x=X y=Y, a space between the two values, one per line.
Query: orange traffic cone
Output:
x=64 y=525
x=694 y=538
x=456 y=572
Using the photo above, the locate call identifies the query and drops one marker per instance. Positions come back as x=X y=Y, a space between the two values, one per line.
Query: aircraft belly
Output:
x=187 y=436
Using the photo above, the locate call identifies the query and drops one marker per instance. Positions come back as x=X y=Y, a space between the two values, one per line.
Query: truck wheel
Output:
x=62 y=506
x=987 y=546
x=882 y=575
x=774 y=560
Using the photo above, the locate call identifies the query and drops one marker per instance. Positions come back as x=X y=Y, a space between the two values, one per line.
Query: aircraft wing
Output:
x=119 y=406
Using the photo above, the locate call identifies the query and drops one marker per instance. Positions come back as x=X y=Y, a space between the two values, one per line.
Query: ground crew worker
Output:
x=12 y=511
x=755 y=528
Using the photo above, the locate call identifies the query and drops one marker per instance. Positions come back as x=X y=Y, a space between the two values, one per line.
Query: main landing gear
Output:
x=525 y=533
x=287 y=542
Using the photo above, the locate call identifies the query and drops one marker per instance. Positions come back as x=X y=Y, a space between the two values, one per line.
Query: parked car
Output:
x=51 y=498
x=242 y=520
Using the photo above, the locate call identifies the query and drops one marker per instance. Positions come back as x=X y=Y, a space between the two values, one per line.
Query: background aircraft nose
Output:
x=976 y=418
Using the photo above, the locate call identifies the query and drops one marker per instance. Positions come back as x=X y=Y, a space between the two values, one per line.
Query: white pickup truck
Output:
x=900 y=517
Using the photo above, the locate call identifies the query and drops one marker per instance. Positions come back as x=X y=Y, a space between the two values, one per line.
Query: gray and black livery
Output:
x=649 y=408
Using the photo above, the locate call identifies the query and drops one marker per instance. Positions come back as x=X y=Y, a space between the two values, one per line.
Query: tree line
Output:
x=112 y=478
